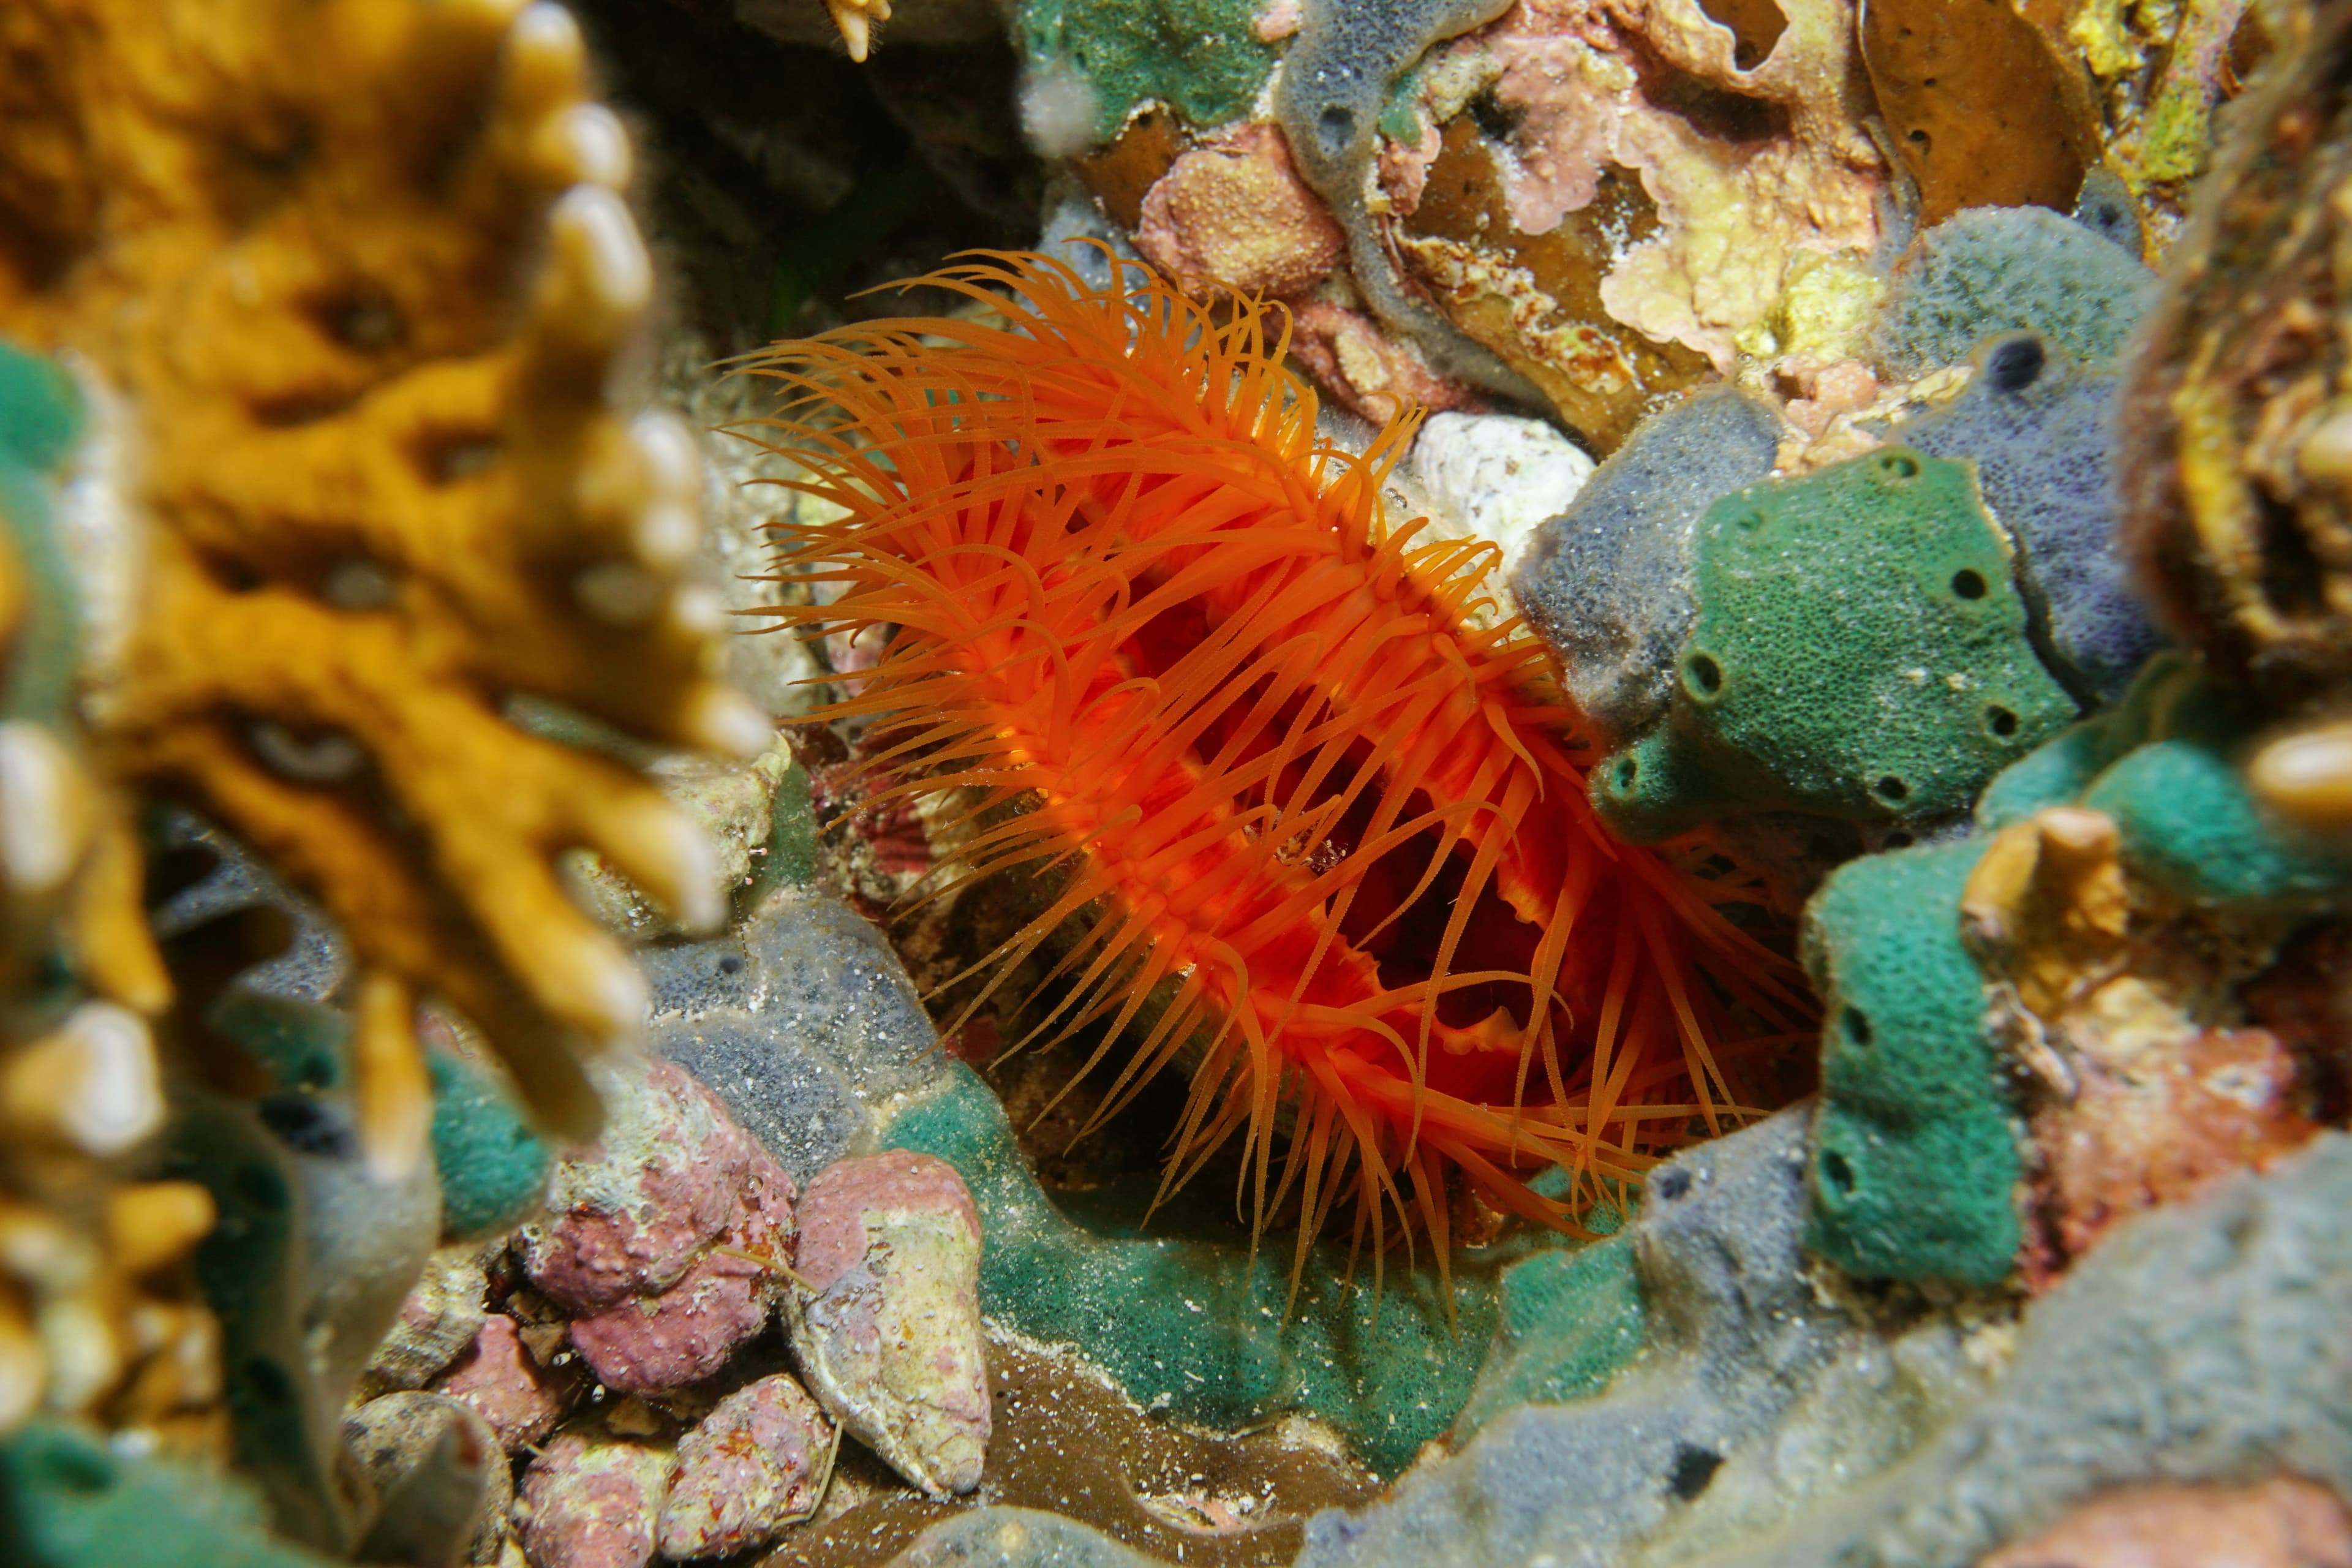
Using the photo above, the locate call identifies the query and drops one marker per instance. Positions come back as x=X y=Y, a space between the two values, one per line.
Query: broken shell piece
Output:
x=885 y=1311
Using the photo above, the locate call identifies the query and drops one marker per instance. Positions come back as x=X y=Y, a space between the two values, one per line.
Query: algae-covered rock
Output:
x=2207 y=1341
x=438 y=1477
x=593 y=1502
x=1754 y=1395
x=1859 y=650
x=885 y=1308
x=1915 y=1159
x=758 y=1462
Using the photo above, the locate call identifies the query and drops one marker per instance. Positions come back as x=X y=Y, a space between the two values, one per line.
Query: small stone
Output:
x=522 y=1400
x=590 y=1503
x=886 y=1314
x=632 y=1213
x=437 y=1321
x=659 y=1343
x=757 y=1463
x=438 y=1477
x=654 y=1343
x=1498 y=476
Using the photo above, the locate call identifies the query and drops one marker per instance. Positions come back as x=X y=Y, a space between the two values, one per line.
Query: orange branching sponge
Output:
x=1333 y=840
x=349 y=281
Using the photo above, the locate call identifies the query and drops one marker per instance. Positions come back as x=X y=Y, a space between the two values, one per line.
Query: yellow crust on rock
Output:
x=359 y=272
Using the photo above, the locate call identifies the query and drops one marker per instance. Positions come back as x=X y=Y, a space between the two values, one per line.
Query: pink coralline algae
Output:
x=593 y=1503
x=886 y=1314
x=670 y=1237
x=1372 y=375
x=758 y=1462
x=632 y=1213
x=522 y=1400
x=2283 y=1522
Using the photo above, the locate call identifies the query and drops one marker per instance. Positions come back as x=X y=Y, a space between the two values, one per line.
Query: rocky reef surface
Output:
x=486 y=1078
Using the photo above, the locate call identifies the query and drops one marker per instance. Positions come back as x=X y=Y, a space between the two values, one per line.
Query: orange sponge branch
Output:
x=1332 y=834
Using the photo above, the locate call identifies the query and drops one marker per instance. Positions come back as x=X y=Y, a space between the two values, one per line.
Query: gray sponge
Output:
x=1608 y=582
x=1988 y=270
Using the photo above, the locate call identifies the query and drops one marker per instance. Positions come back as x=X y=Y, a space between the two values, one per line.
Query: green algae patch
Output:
x=1860 y=650
x=1201 y=57
x=1198 y=1331
x=69 y=1500
x=1915 y=1159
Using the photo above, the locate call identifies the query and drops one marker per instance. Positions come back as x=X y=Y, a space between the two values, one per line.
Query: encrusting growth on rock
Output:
x=1339 y=835
x=381 y=484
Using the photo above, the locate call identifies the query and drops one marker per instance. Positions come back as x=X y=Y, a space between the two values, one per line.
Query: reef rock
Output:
x=594 y=1503
x=2283 y=1522
x=885 y=1311
x=666 y=1234
x=634 y=1211
x=441 y=1317
x=758 y=1462
x=500 y=1379
x=2203 y=1342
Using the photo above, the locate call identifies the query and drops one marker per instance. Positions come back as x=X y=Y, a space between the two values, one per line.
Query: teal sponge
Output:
x=1915 y=1152
x=493 y=1167
x=1571 y=1319
x=1208 y=1334
x=67 y=1500
x=1860 y=650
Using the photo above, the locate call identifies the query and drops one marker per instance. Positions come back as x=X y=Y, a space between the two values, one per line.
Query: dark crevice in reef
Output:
x=790 y=178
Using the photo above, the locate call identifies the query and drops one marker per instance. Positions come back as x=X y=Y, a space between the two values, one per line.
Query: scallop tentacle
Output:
x=1127 y=576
